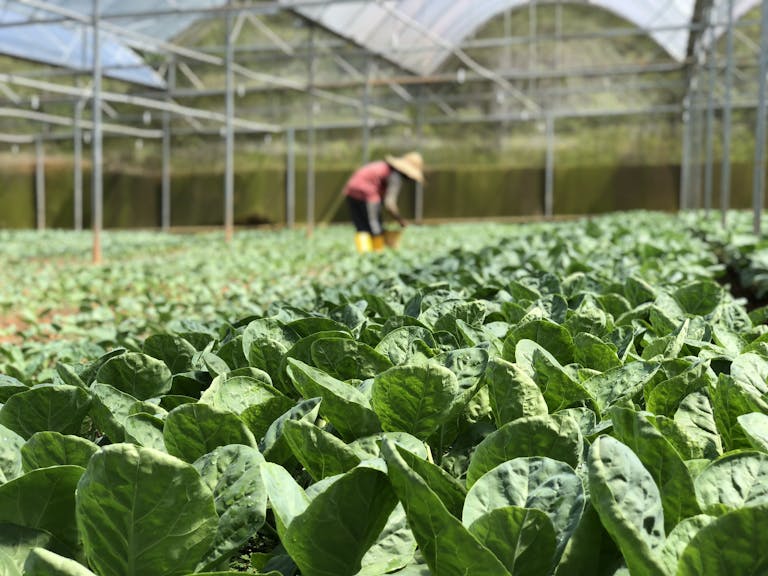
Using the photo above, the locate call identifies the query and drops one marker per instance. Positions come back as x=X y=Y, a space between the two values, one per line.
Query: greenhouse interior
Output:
x=407 y=287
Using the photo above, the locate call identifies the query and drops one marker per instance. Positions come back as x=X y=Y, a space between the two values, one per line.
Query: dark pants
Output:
x=366 y=216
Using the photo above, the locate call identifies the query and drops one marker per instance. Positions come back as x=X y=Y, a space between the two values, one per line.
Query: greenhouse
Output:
x=408 y=287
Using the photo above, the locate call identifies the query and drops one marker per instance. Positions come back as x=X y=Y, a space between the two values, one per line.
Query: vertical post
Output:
x=78 y=168
x=710 y=136
x=96 y=140
x=558 y=32
x=549 y=176
x=290 y=178
x=725 y=181
x=758 y=191
x=532 y=27
x=418 y=209
x=696 y=137
x=685 y=163
x=366 y=101
x=311 y=133
x=229 y=166
x=39 y=183
x=165 y=199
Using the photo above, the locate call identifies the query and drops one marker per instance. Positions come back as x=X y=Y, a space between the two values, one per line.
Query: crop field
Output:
x=585 y=397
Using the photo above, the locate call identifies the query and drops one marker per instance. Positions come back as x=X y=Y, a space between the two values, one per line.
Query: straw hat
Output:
x=410 y=165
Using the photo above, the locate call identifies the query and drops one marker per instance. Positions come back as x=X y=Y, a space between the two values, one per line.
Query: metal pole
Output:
x=311 y=134
x=685 y=164
x=165 y=200
x=418 y=209
x=366 y=101
x=96 y=140
x=758 y=191
x=549 y=176
x=696 y=138
x=290 y=179
x=532 y=26
x=40 y=183
x=78 y=153
x=710 y=137
x=229 y=169
x=725 y=181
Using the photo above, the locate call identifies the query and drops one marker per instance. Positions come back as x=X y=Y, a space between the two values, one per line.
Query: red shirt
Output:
x=369 y=183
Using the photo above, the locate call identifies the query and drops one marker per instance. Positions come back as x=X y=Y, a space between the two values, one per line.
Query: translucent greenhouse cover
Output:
x=70 y=44
x=417 y=34
x=430 y=29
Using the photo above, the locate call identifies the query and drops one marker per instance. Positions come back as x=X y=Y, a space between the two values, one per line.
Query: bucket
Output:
x=392 y=238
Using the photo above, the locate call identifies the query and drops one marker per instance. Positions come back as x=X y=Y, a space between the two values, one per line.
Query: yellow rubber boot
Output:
x=363 y=242
x=378 y=243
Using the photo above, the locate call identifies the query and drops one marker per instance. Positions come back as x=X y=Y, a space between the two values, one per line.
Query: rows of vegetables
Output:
x=572 y=398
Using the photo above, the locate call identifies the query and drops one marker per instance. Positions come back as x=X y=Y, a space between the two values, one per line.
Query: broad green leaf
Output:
x=60 y=408
x=735 y=543
x=347 y=359
x=361 y=502
x=270 y=328
x=556 y=437
x=16 y=543
x=42 y=562
x=590 y=550
x=394 y=548
x=552 y=337
x=445 y=486
x=238 y=393
x=619 y=383
x=174 y=351
x=666 y=396
x=591 y=352
x=274 y=446
x=700 y=297
x=522 y=538
x=559 y=389
x=736 y=480
x=679 y=538
x=321 y=453
x=136 y=374
x=146 y=430
x=541 y=483
x=10 y=453
x=513 y=394
x=414 y=399
x=287 y=499
x=267 y=354
x=696 y=418
x=109 y=410
x=447 y=546
x=629 y=504
x=309 y=326
x=407 y=345
x=10 y=386
x=755 y=426
x=233 y=474
x=45 y=449
x=44 y=500
x=662 y=461
x=750 y=371
x=729 y=401
x=141 y=512
x=231 y=352
x=343 y=405
x=260 y=417
x=193 y=430
x=370 y=446
x=302 y=351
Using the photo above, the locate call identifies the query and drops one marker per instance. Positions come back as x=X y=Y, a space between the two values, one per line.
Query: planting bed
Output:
x=575 y=398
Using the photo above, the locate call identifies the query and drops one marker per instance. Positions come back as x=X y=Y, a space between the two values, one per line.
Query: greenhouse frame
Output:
x=408 y=48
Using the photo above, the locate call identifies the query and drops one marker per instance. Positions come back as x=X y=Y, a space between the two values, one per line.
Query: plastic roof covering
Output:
x=67 y=45
x=384 y=25
x=434 y=26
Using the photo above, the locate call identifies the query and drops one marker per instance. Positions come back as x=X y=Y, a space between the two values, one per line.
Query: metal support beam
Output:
x=229 y=134
x=290 y=179
x=725 y=181
x=710 y=128
x=39 y=184
x=165 y=192
x=96 y=140
x=311 y=134
x=549 y=177
x=418 y=209
x=758 y=191
x=365 y=118
x=77 y=138
x=685 y=162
